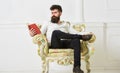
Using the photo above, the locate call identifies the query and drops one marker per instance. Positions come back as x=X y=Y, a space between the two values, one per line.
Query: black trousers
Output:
x=65 y=40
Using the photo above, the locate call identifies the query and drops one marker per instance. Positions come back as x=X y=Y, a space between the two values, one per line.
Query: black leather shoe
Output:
x=77 y=70
x=86 y=37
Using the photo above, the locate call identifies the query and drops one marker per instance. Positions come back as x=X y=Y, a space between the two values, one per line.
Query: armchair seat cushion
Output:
x=67 y=50
x=60 y=52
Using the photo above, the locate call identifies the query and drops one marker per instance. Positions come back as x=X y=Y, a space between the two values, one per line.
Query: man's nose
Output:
x=53 y=15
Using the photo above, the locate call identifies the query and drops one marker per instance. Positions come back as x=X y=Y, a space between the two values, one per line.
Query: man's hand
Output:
x=32 y=32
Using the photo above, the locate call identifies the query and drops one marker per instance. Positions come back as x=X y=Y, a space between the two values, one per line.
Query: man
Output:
x=58 y=36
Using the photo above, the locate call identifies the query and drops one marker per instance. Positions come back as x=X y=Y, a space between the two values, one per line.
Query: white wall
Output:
x=107 y=46
x=102 y=10
x=18 y=53
x=36 y=10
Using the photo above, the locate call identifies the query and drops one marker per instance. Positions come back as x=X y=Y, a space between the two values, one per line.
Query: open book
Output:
x=35 y=28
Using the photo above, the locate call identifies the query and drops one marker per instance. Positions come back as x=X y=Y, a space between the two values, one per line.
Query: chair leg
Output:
x=45 y=66
x=87 y=57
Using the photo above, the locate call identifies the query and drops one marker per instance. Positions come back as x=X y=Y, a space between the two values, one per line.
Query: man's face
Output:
x=55 y=15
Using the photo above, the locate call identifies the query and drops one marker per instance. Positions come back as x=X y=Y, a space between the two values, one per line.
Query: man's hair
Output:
x=56 y=7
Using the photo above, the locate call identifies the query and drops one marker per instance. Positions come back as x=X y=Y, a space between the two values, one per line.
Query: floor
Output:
x=64 y=69
x=55 y=71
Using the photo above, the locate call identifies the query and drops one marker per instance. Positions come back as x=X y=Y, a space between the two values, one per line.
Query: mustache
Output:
x=55 y=19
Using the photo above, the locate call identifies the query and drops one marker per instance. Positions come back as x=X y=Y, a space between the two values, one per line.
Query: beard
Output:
x=55 y=19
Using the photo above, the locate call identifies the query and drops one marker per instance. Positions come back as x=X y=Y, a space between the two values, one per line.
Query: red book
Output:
x=34 y=27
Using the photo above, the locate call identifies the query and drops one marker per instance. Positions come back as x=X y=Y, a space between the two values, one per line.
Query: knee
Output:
x=75 y=43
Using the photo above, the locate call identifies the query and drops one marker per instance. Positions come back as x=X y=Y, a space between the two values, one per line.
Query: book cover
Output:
x=35 y=28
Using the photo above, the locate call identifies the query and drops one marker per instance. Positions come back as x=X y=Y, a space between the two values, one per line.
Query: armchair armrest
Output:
x=42 y=43
x=86 y=46
x=93 y=38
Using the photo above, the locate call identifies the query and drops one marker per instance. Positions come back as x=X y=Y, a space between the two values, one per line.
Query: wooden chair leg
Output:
x=87 y=57
x=45 y=66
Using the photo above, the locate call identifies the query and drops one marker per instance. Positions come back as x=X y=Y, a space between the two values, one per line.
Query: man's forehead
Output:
x=55 y=10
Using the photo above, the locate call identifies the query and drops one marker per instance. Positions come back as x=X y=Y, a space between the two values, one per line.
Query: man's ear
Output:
x=60 y=13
